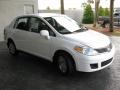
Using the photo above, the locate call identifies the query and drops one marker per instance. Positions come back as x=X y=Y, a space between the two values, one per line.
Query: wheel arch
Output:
x=66 y=52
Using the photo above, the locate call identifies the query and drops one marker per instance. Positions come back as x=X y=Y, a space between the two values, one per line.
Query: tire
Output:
x=65 y=64
x=12 y=48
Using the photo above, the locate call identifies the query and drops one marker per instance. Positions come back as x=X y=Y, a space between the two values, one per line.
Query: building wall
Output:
x=9 y=9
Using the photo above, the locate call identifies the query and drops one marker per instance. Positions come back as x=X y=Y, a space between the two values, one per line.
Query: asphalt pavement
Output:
x=27 y=72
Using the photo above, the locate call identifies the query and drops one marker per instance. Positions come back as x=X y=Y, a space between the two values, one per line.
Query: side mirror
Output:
x=45 y=34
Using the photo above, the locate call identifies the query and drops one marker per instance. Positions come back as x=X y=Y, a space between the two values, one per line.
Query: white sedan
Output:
x=60 y=40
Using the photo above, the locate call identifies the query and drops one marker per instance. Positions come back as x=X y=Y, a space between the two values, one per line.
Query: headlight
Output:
x=86 y=50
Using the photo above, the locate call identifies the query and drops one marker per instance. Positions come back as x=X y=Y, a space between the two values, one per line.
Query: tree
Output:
x=88 y=15
x=106 y=12
x=101 y=11
x=48 y=8
x=96 y=12
x=90 y=1
x=84 y=5
x=111 y=14
x=62 y=6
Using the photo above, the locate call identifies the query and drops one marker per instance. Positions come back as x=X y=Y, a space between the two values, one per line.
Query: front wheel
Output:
x=12 y=49
x=65 y=64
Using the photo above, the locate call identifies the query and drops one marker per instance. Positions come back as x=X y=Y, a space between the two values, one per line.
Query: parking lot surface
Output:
x=27 y=72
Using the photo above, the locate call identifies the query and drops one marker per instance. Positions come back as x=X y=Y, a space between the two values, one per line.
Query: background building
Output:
x=9 y=9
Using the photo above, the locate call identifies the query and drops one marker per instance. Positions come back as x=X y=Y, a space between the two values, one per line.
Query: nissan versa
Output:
x=60 y=40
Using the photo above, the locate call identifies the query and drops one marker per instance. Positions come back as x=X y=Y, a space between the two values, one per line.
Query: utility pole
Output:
x=111 y=15
x=62 y=6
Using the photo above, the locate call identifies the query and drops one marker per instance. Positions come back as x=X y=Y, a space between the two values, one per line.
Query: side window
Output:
x=52 y=22
x=22 y=24
x=36 y=25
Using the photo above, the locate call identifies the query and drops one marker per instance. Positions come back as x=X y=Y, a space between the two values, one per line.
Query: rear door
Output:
x=21 y=34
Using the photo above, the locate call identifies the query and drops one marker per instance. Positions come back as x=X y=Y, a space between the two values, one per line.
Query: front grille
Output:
x=106 y=62
x=106 y=49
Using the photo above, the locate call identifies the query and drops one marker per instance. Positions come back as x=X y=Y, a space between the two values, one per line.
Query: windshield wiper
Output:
x=81 y=30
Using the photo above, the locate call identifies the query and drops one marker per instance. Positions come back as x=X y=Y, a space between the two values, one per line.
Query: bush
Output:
x=107 y=12
x=88 y=16
x=103 y=11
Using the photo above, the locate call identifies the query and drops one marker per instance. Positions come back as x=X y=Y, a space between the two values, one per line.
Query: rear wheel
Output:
x=12 y=48
x=65 y=64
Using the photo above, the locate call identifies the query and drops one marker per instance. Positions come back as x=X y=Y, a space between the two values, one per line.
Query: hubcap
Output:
x=62 y=64
x=11 y=48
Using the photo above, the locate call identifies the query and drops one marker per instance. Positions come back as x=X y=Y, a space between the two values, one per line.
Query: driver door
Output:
x=40 y=46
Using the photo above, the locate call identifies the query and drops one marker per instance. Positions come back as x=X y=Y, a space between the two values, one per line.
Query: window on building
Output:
x=28 y=9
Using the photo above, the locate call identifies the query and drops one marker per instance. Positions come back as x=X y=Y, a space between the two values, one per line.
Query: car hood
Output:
x=90 y=38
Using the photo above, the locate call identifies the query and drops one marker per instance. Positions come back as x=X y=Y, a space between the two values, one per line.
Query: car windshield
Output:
x=64 y=24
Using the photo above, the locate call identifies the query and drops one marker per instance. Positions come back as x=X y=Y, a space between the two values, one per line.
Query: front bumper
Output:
x=93 y=63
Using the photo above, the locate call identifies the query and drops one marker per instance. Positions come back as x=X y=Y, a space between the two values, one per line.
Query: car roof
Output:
x=49 y=14
x=43 y=15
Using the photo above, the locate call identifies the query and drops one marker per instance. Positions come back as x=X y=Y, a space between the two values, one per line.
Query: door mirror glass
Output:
x=45 y=34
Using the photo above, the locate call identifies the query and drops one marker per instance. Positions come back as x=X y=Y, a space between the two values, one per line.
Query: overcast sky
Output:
x=55 y=4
